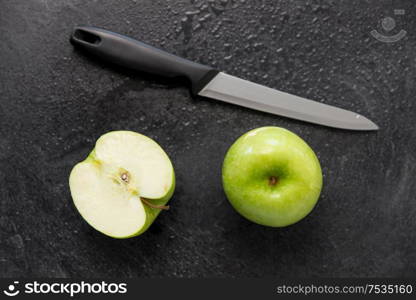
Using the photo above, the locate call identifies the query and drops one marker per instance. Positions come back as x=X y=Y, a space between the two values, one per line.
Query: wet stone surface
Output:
x=55 y=102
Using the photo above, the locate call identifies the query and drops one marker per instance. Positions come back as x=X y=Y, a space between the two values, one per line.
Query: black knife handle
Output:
x=130 y=53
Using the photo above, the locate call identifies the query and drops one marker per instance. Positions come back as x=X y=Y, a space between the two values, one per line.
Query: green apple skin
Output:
x=272 y=177
x=151 y=213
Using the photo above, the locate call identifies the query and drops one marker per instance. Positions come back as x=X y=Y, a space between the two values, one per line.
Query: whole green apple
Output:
x=272 y=177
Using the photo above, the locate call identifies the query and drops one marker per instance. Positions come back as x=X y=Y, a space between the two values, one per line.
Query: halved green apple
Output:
x=123 y=184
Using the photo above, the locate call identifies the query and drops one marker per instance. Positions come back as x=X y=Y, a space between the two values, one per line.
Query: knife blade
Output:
x=208 y=82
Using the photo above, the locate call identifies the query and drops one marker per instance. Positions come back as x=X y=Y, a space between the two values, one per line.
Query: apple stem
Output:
x=273 y=180
x=148 y=203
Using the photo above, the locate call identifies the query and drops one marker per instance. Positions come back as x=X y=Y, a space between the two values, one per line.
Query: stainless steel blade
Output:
x=245 y=93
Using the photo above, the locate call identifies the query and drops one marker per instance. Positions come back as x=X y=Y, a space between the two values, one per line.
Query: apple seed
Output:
x=125 y=177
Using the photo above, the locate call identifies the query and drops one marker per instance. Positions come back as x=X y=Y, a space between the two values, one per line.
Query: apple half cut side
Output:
x=123 y=184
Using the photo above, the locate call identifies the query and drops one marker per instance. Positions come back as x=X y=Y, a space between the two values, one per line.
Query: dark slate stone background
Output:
x=55 y=102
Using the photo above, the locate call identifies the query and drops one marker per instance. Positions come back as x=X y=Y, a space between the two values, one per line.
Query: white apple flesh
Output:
x=123 y=184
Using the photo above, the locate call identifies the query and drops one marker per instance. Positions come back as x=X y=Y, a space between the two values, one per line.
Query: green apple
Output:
x=272 y=177
x=123 y=184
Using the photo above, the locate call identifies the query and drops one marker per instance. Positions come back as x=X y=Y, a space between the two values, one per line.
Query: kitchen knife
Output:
x=208 y=82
